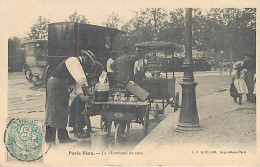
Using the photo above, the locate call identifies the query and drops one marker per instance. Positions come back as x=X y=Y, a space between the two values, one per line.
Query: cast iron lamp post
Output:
x=188 y=118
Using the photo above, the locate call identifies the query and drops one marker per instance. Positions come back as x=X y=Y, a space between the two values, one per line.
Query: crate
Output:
x=137 y=90
x=159 y=88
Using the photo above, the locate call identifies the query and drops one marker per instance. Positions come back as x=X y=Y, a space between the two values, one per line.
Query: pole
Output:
x=188 y=118
x=230 y=56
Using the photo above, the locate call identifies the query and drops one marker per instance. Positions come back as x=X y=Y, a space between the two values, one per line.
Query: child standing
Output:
x=239 y=80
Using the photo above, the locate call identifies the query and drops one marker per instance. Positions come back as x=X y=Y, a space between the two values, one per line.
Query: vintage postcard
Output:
x=129 y=83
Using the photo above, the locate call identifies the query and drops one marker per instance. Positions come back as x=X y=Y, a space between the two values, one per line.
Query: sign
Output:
x=155 y=64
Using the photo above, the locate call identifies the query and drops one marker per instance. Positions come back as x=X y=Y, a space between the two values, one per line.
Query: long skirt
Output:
x=240 y=85
x=57 y=103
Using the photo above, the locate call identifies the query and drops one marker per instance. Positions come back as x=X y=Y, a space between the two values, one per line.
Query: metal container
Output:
x=102 y=92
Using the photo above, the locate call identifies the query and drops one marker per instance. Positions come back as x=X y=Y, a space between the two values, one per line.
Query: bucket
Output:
x=99 y=140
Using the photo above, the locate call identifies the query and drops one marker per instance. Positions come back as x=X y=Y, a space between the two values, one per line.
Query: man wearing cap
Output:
x=69 y=73
x=124 y=65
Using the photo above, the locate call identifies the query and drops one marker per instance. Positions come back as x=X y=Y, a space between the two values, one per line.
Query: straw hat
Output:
x=238 y=64
x=88 y=54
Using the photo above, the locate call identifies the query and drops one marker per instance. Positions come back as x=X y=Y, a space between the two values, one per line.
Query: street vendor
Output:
x=80 y=111
x=124 y=65
x=69 y=74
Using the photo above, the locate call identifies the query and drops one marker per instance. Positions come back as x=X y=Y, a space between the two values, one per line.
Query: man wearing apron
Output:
x=69 y=73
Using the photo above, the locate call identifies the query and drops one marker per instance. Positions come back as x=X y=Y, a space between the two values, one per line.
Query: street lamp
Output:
x=188 y=118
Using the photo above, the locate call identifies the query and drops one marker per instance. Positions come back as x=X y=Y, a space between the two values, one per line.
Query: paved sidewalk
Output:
x=226 y=126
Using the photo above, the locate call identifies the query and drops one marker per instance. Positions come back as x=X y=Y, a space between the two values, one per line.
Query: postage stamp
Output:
x=24 y=140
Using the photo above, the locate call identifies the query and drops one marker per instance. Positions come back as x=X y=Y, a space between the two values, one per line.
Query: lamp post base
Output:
x=184 y=127
x=188 y=118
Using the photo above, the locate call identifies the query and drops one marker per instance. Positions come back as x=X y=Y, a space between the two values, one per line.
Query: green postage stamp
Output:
x=24 y=140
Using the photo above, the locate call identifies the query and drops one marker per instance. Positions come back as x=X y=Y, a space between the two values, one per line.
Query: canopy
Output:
x=162 y=45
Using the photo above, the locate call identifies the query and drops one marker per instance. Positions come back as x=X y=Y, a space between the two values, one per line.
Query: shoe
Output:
x=90 y=131
x=83 y=135
x=68 y=140
x=78 y=131
x=51 y=142
x=240 y=103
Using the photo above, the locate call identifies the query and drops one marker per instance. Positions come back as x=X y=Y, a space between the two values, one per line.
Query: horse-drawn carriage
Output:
x=36 y=52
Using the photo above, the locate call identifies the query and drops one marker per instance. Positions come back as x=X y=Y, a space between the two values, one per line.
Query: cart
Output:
x=137 y=112
x=36 y=53
x=159 y=86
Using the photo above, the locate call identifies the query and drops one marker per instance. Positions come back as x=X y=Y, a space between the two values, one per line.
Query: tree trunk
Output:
x=230 y=58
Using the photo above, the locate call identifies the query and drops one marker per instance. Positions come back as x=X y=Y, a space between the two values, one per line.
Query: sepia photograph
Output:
x=129 y=83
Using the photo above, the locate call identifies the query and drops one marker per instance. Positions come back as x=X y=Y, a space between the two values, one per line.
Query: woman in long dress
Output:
x=239 y=80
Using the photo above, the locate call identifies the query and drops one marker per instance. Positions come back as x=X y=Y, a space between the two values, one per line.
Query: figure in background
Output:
x=139 y=71
x=111 y=74
x=239 y=80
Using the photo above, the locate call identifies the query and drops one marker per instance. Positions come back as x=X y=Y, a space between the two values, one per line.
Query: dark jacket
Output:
x=124 y=66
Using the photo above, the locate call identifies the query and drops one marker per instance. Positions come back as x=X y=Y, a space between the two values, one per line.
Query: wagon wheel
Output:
x=103 y=124
x=28 y=74
x=109 y=125
x=146 y=122
x=37 y=81
x=116 y=135
x=176 y=102
x=128 y=129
